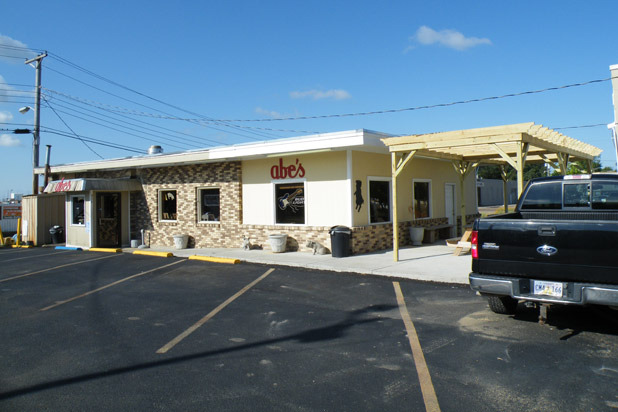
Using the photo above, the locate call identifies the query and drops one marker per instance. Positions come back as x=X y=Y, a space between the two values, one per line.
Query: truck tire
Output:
x=504 y=305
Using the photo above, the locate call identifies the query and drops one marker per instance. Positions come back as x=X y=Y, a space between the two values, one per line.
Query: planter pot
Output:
x=416 y=234
x=180 y=241
x=277 y=243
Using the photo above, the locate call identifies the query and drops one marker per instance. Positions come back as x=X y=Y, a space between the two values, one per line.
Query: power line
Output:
x=128 y=128
x=581 y=127
x=207 y=119
x=117 y=130
x=433 y=106
x=69 y=127
x=94 y=141
x=194 y=138
x=201 y=123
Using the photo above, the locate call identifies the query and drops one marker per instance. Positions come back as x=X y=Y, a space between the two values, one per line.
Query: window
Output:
x=290 y=203
x=577 y=195
x=209 y=205
x=379 y=201
x=77 y=210
x=604 y=195
x=544 y=196
x=421 y=198
x=167 y=205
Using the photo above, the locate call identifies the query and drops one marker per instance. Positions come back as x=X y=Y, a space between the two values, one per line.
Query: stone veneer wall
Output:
x=229 y=232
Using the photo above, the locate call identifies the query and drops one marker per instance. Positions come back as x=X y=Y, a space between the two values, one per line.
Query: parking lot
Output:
x=99 y=331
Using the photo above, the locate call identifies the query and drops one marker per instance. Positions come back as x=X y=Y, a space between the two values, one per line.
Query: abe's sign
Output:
x=280 y=171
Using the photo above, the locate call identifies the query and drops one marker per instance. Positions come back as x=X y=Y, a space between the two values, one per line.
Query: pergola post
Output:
x=505 y=189
x=563 y=161
x=463 y=169
x=397 y=167
x=522 y=153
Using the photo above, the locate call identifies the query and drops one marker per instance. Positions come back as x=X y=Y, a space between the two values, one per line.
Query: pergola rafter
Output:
x=507 y=146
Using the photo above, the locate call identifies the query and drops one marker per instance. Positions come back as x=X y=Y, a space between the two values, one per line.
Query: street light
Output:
x=25 y=109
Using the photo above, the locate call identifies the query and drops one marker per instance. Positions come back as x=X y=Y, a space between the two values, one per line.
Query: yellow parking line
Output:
x=429 y=393
x=107 y=286
x=55 y=267
x=205 y=319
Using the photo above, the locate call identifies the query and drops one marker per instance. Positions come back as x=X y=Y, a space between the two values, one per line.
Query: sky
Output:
x=121 y=76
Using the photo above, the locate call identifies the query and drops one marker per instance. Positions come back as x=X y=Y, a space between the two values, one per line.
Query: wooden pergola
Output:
x=510 y=145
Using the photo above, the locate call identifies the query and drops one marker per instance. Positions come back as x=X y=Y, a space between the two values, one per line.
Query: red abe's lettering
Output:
x=63 y=186
x=290 y=172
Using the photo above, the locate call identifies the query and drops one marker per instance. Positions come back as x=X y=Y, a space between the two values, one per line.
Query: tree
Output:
x=531 y=171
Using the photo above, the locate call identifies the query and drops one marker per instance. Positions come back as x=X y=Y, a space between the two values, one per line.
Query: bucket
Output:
x=134 y=243
x=180 y=241
x=277 y=243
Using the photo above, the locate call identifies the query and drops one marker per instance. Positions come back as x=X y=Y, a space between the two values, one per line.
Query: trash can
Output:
x=57 y=234
x=180 y=241
x=340 y=240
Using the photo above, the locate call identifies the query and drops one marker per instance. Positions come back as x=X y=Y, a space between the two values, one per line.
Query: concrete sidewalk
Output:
x=435 y=263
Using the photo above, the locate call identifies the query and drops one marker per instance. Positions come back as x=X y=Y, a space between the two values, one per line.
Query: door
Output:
x=449 y=206
x=108 y=220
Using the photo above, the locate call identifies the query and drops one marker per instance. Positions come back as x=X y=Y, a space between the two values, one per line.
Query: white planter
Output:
x=277 y=243
x=416 y=234
x=180 y=241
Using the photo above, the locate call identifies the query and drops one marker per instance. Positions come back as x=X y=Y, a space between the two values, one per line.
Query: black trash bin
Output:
x=57 y=234
x=340 y=240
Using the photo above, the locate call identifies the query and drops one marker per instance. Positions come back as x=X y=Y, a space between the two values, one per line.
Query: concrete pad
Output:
x=433 y=263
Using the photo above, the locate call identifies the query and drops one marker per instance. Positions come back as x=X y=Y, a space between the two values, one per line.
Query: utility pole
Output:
x=37 y=120
x=612 y=126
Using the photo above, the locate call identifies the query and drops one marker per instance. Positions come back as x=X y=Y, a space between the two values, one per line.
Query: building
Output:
x=298 y=186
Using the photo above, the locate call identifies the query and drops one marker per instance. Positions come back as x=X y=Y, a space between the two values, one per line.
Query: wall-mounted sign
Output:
x=287 y=172
x=11 y=212
x=68 y=185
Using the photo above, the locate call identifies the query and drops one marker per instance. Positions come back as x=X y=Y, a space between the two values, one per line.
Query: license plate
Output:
x=548 y=288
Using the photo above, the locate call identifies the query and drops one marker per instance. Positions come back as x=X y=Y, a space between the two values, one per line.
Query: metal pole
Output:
x=37 y=120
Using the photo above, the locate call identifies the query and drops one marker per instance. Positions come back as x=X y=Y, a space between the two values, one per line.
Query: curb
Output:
x=230 y=261
x=22 y=246
x=152 y=253
x=103 y=249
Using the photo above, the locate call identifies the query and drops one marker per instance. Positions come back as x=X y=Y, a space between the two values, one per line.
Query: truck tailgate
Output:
x=549 y=249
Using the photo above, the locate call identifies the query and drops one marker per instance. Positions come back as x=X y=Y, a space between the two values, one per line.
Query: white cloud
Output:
x=269 y=113
x=14 y=48
x=7 y=140
x=5 y=117
x=449 y=38
x=334 y=94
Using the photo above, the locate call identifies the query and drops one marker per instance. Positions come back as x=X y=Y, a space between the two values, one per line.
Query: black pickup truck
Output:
x=559 y=246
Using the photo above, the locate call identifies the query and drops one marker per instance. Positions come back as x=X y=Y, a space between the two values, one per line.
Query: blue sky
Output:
x=251 y=60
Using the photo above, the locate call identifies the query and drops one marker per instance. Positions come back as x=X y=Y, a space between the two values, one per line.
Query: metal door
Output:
x=108 y=220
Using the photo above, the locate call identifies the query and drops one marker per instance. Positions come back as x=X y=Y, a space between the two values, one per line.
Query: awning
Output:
x=86 y=185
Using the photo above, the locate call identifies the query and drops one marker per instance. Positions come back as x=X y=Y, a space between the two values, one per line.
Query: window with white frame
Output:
x=290 y=203
x=209 y=205
x=77 y=210
x=379 y=200
x=421 y=198
x=167 y=205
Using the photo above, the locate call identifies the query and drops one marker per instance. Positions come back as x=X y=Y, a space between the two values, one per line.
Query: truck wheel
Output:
x=504 y=305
